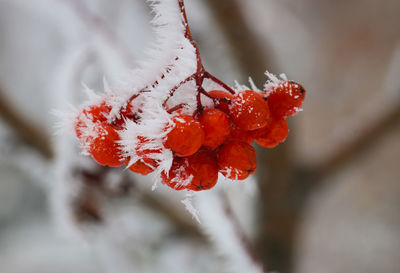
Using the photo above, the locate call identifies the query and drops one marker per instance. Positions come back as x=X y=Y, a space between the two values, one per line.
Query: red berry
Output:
x=91 y=114
x=179 y=175
x=197 y=172
x=186 y=137
x=237 y=160
x=248 y=110
x=97 y=113
x=271 y=135
x=286 y=99
x=216 y=127
x=140 y=167
x=204 y=168
x=104 y=148
x=222 y=99
x=242 y=135
x=146 y=164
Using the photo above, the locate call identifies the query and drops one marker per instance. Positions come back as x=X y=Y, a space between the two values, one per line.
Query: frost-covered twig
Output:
x=246 y=243
x=224 y=231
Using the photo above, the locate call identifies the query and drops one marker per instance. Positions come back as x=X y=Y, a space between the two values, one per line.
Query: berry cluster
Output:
x=212 y=140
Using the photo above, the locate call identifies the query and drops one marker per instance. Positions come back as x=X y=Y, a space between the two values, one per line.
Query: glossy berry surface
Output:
x=248 y=110
x=104 y=148
x=238 y=133
x=216 y=127
x=271 y=135
x=140 y=167
x=186 y=136
x=237 y=160
x=286 y=99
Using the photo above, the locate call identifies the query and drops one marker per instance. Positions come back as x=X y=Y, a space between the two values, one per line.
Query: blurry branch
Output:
x=240 y=234
x=249 y=53
x=183 y=224
x=97 y=25
x=28 y=131
x=96 y=181
x=351 y=151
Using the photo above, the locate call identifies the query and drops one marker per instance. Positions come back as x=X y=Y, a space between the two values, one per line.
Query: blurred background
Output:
x=327 y=200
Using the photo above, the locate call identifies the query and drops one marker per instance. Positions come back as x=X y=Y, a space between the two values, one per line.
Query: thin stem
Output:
x=176 y=108
x=188 y=35
x=207 y=75
x=173 y=90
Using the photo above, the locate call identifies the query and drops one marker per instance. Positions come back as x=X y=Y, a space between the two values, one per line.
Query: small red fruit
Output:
x=242 y=135
x=179 y=175
x=271 y=135
x=147 y=163
x=186 y=137
x=104 y=148
x=197 y=172
x=248 y=110
x=204 y=168
x=97 y=113
x=216 y=127
x=237 y=160
x=222 y=99
x=140 y=167
x=286 y=99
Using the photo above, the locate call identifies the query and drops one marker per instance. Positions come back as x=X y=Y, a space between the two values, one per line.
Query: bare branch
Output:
x=27 y=130
x=351 y=151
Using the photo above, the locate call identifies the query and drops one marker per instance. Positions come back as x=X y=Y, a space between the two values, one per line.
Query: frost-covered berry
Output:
x=104 y=147
x=237 y=160
x=248 y=110
x=271 y=135
x=146 y=163
x=186 y=136
x=98 y=113
x=179 y=175
x=216 y=127
x=90 y=115
x=222 y=99
x=286 y=99
x=196 y=172
x=204 y=168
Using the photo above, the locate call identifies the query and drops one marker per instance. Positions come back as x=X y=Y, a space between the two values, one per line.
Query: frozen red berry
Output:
x=222 y=99
x=286 y=99
x=186 y=135
x=147 y=161
x=140 y=167
x=248 y=110
x=179 y=175
x=237 y=160
x=105 y=148
x=196 y=172
x=271 y=135
x=216 y=127
x=98 y=113
x=204 y=169
x=238 y=133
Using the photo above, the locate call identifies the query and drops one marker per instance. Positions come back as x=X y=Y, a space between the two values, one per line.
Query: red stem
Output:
x=218 y=81
x=176 y=107
x=198 y=76
x=188 y=35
